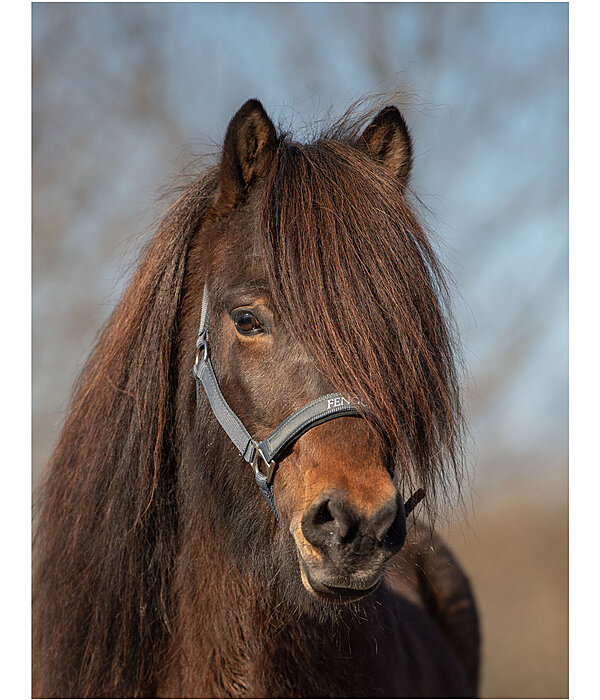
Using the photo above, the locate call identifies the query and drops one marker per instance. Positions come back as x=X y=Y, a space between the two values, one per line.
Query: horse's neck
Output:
x=230 y=642
x=239 y=657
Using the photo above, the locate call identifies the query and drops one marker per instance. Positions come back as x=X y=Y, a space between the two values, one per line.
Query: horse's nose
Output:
x=332 y=523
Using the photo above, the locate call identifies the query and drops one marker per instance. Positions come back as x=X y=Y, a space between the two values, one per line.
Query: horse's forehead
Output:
x=237 y=255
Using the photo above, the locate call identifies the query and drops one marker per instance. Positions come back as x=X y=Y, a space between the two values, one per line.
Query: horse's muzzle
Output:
x=343 y=551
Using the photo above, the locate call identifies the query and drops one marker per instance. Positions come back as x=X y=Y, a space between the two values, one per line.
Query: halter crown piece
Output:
x=265 y=453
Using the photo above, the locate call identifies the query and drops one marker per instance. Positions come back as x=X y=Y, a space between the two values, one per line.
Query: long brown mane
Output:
x=108 y=517
x=119 y=498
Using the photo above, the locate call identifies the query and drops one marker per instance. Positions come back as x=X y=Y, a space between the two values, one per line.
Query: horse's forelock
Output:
x=348 y=256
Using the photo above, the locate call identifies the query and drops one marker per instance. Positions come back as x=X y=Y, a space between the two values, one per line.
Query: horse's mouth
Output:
x=334 y=594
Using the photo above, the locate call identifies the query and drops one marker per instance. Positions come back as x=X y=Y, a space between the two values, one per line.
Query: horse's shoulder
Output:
x=427 y=574
x=430 y=568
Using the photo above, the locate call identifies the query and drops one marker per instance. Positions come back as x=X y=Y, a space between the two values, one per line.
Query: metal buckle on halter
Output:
x=258 y=454
x=201 y=344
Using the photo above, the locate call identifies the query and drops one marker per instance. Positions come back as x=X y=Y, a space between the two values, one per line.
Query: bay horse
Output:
x=160 y=570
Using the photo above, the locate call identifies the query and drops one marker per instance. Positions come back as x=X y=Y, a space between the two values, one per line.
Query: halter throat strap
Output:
x=263 y=455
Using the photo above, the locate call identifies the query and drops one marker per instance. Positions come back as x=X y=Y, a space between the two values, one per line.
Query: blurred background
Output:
x=125 y=94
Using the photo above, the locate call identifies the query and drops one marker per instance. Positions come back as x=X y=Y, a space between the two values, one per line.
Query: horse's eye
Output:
x=247 y=323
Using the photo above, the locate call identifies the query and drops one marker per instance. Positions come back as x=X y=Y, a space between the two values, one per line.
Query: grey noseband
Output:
x=321 y=410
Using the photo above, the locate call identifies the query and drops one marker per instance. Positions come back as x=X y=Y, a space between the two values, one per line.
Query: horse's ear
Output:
x=388 y=140
x=248 y=151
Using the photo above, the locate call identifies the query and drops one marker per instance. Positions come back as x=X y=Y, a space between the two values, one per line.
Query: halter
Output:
x=321 y=410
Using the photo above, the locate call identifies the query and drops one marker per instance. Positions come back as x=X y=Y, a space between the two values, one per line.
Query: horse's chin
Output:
x=335 y=595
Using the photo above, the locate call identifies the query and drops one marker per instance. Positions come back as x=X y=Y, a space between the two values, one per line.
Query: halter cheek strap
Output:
x=264 y=454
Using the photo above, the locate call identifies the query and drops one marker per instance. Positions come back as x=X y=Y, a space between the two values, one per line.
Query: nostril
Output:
x=317 y=523
x=329 y=520
x=346 y=519
x=323 y=514
x=385 y=524
x=396 y=533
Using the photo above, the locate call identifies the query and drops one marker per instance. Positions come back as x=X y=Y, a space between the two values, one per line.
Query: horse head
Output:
x=317 y=279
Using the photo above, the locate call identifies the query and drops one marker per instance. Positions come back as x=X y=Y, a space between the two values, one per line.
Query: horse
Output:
x=325 y=372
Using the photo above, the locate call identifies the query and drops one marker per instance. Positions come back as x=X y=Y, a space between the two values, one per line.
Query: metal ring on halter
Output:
x=201 y=344
x=258 y=454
